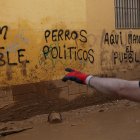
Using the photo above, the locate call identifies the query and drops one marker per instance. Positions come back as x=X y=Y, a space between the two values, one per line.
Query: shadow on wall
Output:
x=41 y=98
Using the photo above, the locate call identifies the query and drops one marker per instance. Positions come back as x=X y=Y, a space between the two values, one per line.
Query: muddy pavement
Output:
x=119 y=120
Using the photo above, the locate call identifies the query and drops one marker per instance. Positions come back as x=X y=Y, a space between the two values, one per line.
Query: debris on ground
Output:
x=55 y=117
x=6 y=132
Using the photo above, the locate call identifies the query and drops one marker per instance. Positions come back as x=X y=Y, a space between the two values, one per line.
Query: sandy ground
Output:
x=119 y=120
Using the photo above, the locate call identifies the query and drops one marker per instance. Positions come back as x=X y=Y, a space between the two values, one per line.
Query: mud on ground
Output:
x=118 y=120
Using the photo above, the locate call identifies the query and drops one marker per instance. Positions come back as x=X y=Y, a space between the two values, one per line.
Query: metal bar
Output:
x=135 y=13
x=130 y=14
x=121 y=13
x=116 y=14
x=119 y=20
x=127 y=14
x=123 y=25
x=138 y=14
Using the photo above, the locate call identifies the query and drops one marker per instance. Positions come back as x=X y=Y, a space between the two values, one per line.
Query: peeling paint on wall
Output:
x=38 y=46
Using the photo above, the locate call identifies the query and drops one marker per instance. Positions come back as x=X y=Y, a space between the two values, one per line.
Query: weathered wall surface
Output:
x=117 y=51
x=40 y=38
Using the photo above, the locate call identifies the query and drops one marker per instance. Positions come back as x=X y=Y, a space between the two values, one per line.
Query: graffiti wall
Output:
x=118 y=49
x=39 y=39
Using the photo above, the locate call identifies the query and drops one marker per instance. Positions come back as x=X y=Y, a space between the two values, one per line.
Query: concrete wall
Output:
x=40 y=38
x=37 y=37
x=115 y=54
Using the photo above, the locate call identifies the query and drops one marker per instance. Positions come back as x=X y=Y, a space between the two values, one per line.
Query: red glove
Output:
x=76 y=76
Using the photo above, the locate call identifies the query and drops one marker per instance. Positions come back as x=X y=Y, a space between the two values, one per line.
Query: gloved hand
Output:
x=76 y=76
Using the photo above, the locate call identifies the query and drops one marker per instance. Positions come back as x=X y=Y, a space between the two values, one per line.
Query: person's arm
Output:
x=124 y=88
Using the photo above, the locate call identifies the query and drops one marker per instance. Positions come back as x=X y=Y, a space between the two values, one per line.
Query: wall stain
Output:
x=41 y=98
x=23 y=68
x=9 y=72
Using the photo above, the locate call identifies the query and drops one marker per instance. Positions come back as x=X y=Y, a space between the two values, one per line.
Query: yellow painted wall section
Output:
x=40 y=38
x=117 y=51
